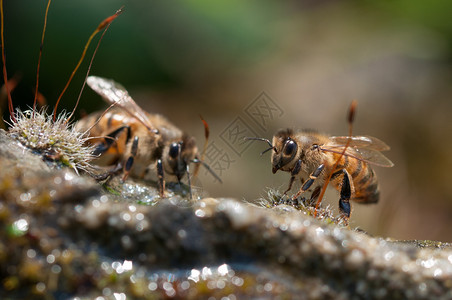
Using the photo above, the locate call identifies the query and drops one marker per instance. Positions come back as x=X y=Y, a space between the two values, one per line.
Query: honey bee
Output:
x=137 y=141
x=314 y=158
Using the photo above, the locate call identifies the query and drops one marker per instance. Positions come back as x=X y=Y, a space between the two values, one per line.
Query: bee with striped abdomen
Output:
x=135 y=140
x=313 y=157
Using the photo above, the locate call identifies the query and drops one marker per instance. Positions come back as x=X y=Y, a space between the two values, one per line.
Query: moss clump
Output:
x=56 y=141
x=274 y=199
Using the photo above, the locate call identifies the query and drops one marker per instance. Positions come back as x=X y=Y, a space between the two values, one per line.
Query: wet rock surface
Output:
x=65 y=236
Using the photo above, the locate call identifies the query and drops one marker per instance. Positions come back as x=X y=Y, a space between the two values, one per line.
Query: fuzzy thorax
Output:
x=55 y=140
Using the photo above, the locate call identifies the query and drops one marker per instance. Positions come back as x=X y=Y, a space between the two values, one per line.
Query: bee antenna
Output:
x=268 y=149
x=41 y=46
x=5 y=75
x=350 y=119
x=212 y=172
x=101 y=26
x=263 y=140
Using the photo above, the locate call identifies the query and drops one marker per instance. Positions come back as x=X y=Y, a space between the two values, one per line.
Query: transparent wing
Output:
x=114 y=93
x=366 y=154
x=362 y=142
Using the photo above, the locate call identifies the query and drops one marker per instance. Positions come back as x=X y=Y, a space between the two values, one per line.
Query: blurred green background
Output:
x=187 y=58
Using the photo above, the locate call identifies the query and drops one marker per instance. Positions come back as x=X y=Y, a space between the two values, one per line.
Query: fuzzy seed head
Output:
x=56 y=141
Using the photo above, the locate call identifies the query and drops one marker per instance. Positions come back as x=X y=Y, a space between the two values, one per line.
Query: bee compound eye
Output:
x=174 y=150
x=290 y=148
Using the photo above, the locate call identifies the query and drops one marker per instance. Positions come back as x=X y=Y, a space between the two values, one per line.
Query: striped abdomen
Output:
x=363 y=177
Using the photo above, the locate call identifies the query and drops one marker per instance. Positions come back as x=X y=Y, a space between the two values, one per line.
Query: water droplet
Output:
x=428 y=263
x=119 y=296
x=238 y=281
x=31 y=253
x=116 y=265
x=152 y=286
x=171 y=293
x=221 y=284
x=422 y=286
x=139 y=216
x=223 y=269
x=167 y=286
x=200 y=213
x=126 y=241
x=57 y=180
x=127 y=265
x=268 y=287
x=283 y=227
x=126 y=217
x=40 y=287
x=106 y=292
x=21 y=225
x=50 y=259
x=389 y=255
x=18 y=228
x=437 y=272
x=185 y=285
x=182 y=234
x=25 y=197
x=206 y=272
x=194 y=275
x=211 y=284
x=78 y=208
x=68 y=176
x=56 y=269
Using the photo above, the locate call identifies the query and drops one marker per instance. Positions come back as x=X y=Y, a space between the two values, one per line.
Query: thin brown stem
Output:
x=5 y=75
x=39 y=58
x=87 y=73
x=101 y=26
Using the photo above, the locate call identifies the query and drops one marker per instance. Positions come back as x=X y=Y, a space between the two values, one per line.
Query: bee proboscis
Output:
x=313 y=158
x=137 y=140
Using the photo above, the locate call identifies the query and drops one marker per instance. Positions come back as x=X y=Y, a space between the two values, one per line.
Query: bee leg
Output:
x=292 y=179
x=293 y=173
x=130 y=160
x=345 y=195
x=310 y=181
x=161 y=179
x=189 y=183
x=314 y=196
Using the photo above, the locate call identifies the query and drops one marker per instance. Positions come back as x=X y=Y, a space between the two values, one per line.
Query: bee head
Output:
x=177 y=155
x=285 y=149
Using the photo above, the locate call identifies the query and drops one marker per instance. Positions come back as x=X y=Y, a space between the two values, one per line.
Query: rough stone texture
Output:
x=65 y=236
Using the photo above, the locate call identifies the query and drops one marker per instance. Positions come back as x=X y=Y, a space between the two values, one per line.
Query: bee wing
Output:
x=114 y=93
x=368 y=155
x=361 y=142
